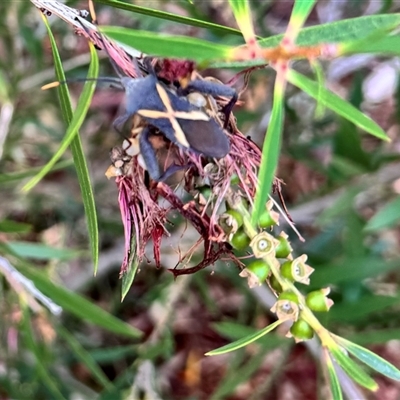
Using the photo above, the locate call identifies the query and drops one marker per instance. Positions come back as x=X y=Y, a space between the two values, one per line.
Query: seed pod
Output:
x=263 y=245
x=286 y=307
x=318 y=300
x=275 y=285
x=232 y=219
x=297 y=270
x=284 y=249
x=240 y=240
x=269 y=217
x=301 y=331
x=260 y=268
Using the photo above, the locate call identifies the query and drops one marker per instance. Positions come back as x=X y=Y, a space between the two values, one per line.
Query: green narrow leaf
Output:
x=78 y=117
x=71 y=138
x=371 y=359
x=40 y=251
x=387 y=216
x=347 y=30
x=334 y=384
x=10 y=226
x=336 y=104
x=382 y=42
x=270 y=154
x=87 y=198
x=244 y=341
x=300 y=13
x=18 y=176
x=162 y=45
x=241 y=11
x=41 y=369
x=301 y=9
x=353 y=370
x=132 y=266
x=169 y=16
x=78 y=305
x=86 y=359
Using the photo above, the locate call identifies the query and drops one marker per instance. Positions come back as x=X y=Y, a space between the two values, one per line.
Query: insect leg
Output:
x=149 y=155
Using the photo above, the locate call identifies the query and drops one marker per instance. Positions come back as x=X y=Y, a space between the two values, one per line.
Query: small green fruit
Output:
x=260 y=268
x=301 y=330
x=283 y=249
x=240 y=240
x=237 y=216
x=267 y=219
x=275 y=284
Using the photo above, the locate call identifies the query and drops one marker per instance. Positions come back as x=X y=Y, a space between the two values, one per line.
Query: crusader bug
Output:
x=173 y=115
x=180 y=121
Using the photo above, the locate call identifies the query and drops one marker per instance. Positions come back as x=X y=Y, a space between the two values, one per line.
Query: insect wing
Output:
x=206 y=137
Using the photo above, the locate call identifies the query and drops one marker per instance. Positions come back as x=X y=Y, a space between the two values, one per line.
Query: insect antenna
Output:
x=107 y=79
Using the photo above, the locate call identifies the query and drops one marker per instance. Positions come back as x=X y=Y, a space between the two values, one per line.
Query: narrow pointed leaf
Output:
x=336 y=104
x=270 y=154
x=17 y=176
x=78 y=117
x=78 y=305
x=244 y=341
x=41 y=251
x=353 y=370
x=387 y=216
x=132 y=266
x=371 y=359
x=300 y=13
x=348 y=30
x=334 y=384
x=241 y=11
x=75 y=120
x=166 y=16
x=162 y=45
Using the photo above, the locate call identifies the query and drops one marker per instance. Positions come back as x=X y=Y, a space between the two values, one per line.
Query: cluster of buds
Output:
x=273 y=263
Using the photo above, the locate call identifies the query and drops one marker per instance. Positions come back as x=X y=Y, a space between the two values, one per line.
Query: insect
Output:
x=180 y=121
x=168 y=109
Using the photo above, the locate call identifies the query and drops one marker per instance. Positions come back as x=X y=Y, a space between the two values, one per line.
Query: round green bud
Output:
x=235 y=179
x=275 y=285
x=240 y=240
x=317 y=300
x=301 y=330
x=267 y=219
x=237 y=216
x=260 y=268
x=286 y=271
x=283 y=249
x=289 y=295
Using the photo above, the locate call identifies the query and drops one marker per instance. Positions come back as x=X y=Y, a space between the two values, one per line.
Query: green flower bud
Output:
x=240 y=240
x=260 y=268
x=283 y=249
x=289 y=295
x=286 y=271
x=301 y=331
x=297 y=270
x=275 y=285
x=318 y=301
x=235 y=179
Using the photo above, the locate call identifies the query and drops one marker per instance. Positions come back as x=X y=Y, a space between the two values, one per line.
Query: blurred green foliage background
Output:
x=341 y=189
